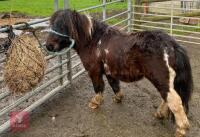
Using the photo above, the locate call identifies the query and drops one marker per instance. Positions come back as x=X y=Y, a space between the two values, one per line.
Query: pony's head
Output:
x=67 y=24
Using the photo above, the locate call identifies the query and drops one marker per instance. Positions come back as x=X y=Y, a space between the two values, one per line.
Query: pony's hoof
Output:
x=179 y=134
x=118 y=97
x=93 y=105
x=158 y=115
x=161 y=114
x=96 y=101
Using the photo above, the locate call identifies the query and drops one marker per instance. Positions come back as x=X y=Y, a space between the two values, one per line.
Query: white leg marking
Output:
x=96 y=101
x=90 y=26
x=175 y=103
x=118 y=97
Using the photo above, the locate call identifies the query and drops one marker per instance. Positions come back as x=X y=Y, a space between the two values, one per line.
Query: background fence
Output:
x=62 y=69
x=180 y=19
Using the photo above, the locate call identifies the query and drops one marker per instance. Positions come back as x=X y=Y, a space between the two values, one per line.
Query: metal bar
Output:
x=152 y=27
x=79 y=73
x=124 y=27
x=56 y=66
x=55 y=5
x=69 y=67
x=75 y=65
x=153 y=22
x=137 y=29
x=172 y=14
x=129 y=14
x=133 y=15
x=30 y=94
x=98 y=6
x=2 y=60
x=177 y=16
x=104 y=10
x=119 y=22
x=163 y=15
x=188 y=42
x=168 y=29
x=4 y=94
x=1 y=79
x=190 y=37
x=160 y=15
x=141 y=6
x=189 y=26
x=66 y=4
x=23 y=25
x=60 y=69
x=114 y=16
x=74 y=55
x=50 y=57
x=187 y=31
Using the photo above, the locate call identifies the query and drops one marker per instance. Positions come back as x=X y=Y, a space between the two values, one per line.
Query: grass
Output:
x=45 y=8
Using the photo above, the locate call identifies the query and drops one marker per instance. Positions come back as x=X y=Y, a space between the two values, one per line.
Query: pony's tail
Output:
x=183 y=82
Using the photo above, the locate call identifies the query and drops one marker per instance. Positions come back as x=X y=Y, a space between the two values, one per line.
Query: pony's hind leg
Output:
x=163 y=79
x=114 y=83
x=175 y=103
x=176 y=106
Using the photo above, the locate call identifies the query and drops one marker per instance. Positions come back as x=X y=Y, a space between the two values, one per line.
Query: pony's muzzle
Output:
x=50 y=47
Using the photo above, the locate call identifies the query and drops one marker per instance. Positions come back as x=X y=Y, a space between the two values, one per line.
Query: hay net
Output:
x=25 y=64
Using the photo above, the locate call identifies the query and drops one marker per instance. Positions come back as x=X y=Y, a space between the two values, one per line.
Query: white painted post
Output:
x=69 y=63
x=69 y=67
x=60 y=56
x=129 y=6
x=66 y=4
x=172 y=17
x=133 y=15
x=104 y=9
x=55 y=5
x=60 y=69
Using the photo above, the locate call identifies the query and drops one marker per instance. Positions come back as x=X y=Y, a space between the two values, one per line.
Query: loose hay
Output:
x=25 y=65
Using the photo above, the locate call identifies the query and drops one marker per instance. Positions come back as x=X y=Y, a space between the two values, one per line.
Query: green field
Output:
x=46 y=7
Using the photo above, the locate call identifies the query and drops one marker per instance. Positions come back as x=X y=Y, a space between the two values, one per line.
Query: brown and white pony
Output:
x=119 y=56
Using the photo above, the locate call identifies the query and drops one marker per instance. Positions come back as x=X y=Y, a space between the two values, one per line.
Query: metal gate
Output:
x=62 y=69
x=180 y=19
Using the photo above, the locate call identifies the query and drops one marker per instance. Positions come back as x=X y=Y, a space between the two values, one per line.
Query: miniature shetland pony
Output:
x=119 y=56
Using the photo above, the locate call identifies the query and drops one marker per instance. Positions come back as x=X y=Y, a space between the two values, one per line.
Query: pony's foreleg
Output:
x=114 y=83
x=162 y=111
x=98 y=84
